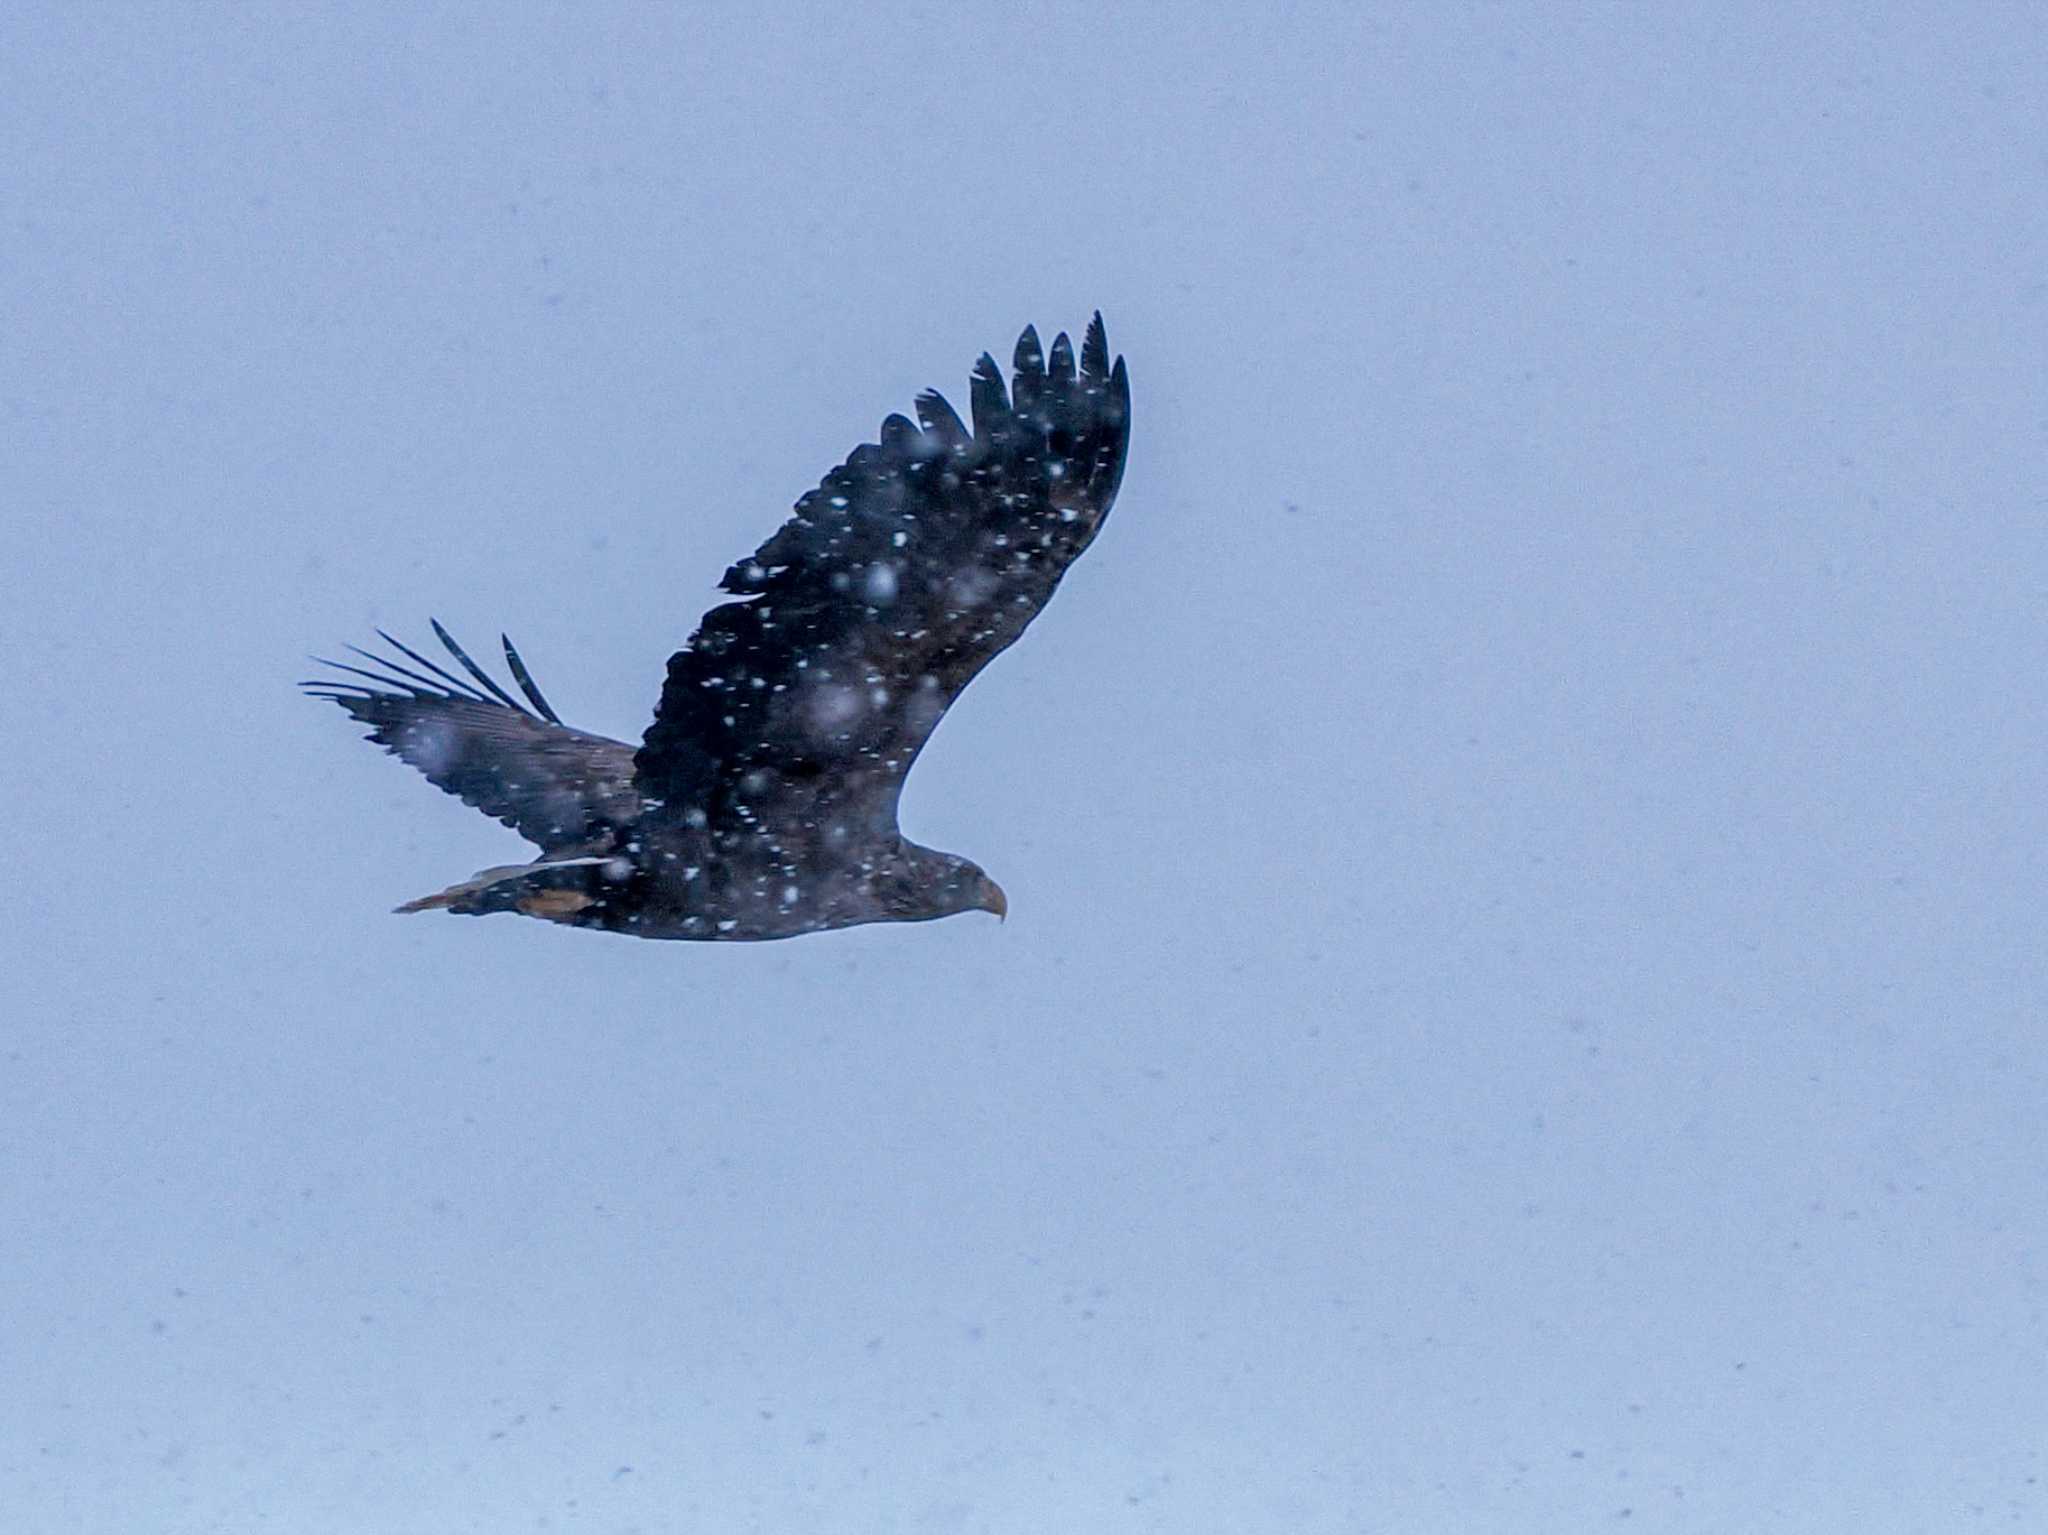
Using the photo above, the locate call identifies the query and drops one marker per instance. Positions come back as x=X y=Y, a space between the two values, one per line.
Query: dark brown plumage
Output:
x=762 y=801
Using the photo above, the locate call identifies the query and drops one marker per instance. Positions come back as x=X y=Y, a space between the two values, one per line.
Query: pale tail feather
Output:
x=484 y=879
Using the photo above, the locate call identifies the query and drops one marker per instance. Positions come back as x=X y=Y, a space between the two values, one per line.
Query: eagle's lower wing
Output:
x=911 y=567
x=557 y=787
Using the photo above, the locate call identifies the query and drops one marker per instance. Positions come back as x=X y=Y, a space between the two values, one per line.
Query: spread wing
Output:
x=518 y=762
x=908 y=570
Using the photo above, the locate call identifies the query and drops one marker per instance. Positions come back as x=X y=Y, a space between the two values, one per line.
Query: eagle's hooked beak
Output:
x=993 y=899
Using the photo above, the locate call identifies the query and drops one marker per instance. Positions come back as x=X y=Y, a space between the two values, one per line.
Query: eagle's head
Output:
x=924 y=884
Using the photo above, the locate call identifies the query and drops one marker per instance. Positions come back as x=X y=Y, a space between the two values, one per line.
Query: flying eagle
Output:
x=762 y=801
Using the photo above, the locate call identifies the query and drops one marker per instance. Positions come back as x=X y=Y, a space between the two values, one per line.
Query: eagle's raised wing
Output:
x=899 y=578
x=559 y=788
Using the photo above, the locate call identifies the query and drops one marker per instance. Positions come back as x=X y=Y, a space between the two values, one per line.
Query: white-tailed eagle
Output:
x=762 y=801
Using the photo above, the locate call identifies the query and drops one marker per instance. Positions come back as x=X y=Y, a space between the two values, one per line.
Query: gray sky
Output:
x=1522 y=1005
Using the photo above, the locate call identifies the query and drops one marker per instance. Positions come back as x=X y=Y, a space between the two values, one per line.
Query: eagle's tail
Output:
x=511 y=887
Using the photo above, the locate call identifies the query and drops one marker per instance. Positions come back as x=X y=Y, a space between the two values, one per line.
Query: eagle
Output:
x=761 y=803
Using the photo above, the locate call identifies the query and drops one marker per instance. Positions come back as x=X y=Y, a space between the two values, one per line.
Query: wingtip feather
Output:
x=483 y=677
x=448 y=682
x=988 y=396
x=1028 y=361
x=935 y=412
x=526 y=683
x=897 y=432
x=1095 y=351
x=1060 y=366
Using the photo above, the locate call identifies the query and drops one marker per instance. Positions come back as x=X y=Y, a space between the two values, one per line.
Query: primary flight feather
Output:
x=762 y=801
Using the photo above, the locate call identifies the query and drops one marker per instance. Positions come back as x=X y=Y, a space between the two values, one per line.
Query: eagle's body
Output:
x=762 y=801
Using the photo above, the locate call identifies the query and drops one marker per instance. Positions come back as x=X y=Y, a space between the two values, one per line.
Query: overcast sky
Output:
x=1522 y=1007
